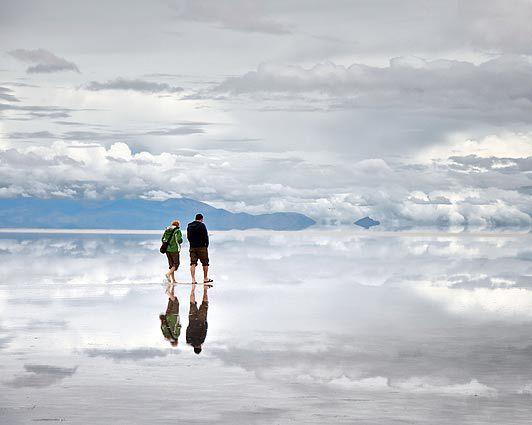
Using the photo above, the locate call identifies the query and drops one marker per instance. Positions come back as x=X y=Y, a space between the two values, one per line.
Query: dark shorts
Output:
x=201 y=254
x=173 y=259
x=201 y=312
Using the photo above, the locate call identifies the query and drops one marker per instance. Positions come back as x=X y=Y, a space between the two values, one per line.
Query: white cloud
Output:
x=507 y=302
x=428 y=386
x=507 y=145
x=377 y=383
x=250 y=17
x=134 y=85
x=425 y=385
x=526 y=389
x=43 y=61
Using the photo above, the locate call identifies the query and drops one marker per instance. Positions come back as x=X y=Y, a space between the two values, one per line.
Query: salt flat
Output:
x=304 y=327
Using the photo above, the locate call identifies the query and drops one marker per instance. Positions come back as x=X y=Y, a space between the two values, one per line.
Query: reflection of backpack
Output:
x=164 y=245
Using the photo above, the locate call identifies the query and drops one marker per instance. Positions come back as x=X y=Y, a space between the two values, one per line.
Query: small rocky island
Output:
x=367 y=222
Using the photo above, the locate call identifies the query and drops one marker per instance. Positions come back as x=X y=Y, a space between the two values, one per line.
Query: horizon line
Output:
x=329 y=229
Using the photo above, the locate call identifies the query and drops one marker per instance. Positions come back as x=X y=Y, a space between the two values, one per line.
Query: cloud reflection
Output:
x=41 y=376
x=315 y=319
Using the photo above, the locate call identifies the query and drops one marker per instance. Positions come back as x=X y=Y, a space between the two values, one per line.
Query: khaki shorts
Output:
x=173 y=259
x=199 y=253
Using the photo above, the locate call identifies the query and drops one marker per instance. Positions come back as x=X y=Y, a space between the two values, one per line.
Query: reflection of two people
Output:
x=197 y=319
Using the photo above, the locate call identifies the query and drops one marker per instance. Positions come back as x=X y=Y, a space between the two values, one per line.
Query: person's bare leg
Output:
x=170 y=274
x=170 y=291
x=205 y=273
x=193 y=272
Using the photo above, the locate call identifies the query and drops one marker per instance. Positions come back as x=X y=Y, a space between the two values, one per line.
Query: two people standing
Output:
x=198 y=239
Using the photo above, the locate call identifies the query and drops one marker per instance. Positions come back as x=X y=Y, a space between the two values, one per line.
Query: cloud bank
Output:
x=498 y=90
x=470 y=190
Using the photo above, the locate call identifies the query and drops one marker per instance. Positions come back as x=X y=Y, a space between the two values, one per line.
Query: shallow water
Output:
x=304 y=327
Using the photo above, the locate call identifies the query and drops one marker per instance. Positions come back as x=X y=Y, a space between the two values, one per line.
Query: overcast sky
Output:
x=415 y=112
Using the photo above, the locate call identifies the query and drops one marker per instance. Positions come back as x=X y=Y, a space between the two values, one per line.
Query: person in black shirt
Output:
x=198 y=239
x=197 y=320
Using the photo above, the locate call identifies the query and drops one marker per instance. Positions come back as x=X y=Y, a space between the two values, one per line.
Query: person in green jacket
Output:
x=170 y=323
x=173 y=236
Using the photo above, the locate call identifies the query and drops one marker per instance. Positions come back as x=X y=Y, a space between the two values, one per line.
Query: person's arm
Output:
x=179 y=237
x=205 y=235
x=203 y=334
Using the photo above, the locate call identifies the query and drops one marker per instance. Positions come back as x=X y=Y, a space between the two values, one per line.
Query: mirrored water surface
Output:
x=315 y=326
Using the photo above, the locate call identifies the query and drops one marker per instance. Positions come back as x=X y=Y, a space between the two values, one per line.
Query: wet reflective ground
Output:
x=306 y=327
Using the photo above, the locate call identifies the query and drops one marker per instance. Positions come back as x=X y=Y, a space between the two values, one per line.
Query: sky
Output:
x=415 y=113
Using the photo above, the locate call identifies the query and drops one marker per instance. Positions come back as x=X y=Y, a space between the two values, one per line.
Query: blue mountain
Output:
x=367 y=222
x=135 y=214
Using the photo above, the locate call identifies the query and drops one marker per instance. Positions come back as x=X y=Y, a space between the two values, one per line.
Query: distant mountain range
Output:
x=135 y=214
